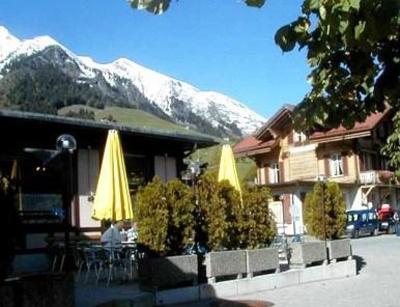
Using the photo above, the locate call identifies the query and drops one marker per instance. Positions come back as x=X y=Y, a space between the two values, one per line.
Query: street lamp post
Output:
x=281 y=198
x=66 y=145
x=192 y=173
x=194 y=170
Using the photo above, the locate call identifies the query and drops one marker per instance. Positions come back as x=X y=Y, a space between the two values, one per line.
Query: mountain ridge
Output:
x=119 y=83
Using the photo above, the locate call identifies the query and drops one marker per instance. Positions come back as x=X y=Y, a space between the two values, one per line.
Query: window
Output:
x=299 y=137
x=364 y=217
x=366 y=161
x=371 y=216
x=136 y=170
x=336 y=165
x=274 y=173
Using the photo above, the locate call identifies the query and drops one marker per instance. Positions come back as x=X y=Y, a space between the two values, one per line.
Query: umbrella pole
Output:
x=110 y=265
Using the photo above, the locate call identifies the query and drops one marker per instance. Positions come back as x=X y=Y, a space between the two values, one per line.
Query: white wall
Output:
x=297 y=214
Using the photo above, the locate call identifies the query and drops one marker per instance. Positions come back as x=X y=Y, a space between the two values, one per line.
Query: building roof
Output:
x=251 y=146
x=199 y=139
x=279 y=118
x=370 y=123
x=264 y=139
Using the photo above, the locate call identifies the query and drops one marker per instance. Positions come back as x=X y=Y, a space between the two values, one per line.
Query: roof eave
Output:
x=340 y=137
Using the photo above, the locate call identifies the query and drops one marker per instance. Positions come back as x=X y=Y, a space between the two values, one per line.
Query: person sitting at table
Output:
x=111 y=238
x=132 y=233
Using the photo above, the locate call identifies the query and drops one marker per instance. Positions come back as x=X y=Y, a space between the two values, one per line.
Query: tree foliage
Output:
x=353 y=50
x=81 y=113
x=325 y=198
x=392 y=148
x=160 y=6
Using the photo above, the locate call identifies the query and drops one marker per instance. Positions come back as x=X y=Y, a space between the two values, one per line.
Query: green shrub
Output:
x=257 y=226
x=218 y=203
x=170 y=215
x=329 y=196
x=164 y=215
x=181 y=206
x=151 y=214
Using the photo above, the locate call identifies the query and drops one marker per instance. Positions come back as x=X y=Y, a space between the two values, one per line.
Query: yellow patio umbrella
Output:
x=112 y=200
x=227 y=168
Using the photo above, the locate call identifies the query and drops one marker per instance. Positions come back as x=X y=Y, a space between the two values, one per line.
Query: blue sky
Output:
x=219 y=45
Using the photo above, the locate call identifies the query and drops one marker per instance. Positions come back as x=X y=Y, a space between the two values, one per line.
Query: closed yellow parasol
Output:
x=227 y=168
x=112 y=200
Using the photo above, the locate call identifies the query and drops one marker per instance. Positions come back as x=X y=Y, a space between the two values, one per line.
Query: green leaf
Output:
x=310 y=5
x=355 y=4
x=322 y=12
x=359 y=29
x=343 y=25
x=301 y=25
x=284 y=38
x=255 y=3
x=153 y=6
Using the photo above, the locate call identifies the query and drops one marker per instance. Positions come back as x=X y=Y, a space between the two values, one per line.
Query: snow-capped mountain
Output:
x=81 y=80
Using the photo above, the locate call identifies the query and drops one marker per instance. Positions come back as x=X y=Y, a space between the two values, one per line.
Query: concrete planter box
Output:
x=38 y=290
x=339 y=249
x=168 y=272
x=225 y=263
x=265 y=259
x=303 y=254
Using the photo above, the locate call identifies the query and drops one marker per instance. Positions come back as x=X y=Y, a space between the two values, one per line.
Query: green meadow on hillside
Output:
x=141 y=119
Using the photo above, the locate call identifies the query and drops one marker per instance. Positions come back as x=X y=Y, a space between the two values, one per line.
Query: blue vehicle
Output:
x=362 y=222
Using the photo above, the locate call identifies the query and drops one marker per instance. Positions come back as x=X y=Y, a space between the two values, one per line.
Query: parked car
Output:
x=362 y=222
x=385 y=218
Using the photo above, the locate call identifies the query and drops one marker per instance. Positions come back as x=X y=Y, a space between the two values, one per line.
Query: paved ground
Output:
x=90 y=295
x=376 y=285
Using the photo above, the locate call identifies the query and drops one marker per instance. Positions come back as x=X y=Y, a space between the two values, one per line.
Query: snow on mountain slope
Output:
x=161 y=89
x=170 y=95
x=8 y=43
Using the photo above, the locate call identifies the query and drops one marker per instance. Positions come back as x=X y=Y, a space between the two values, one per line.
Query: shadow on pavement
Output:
x=244 y=303
x=360 y=263
x=225 y=303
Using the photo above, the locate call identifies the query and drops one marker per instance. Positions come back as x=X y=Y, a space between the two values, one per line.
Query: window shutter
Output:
x=281 y=172
x=345 y=164
x=290 y=138
x=327 y=165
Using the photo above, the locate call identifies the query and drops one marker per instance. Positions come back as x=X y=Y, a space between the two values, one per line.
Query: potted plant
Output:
x=325 y=218
x=164 y=215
